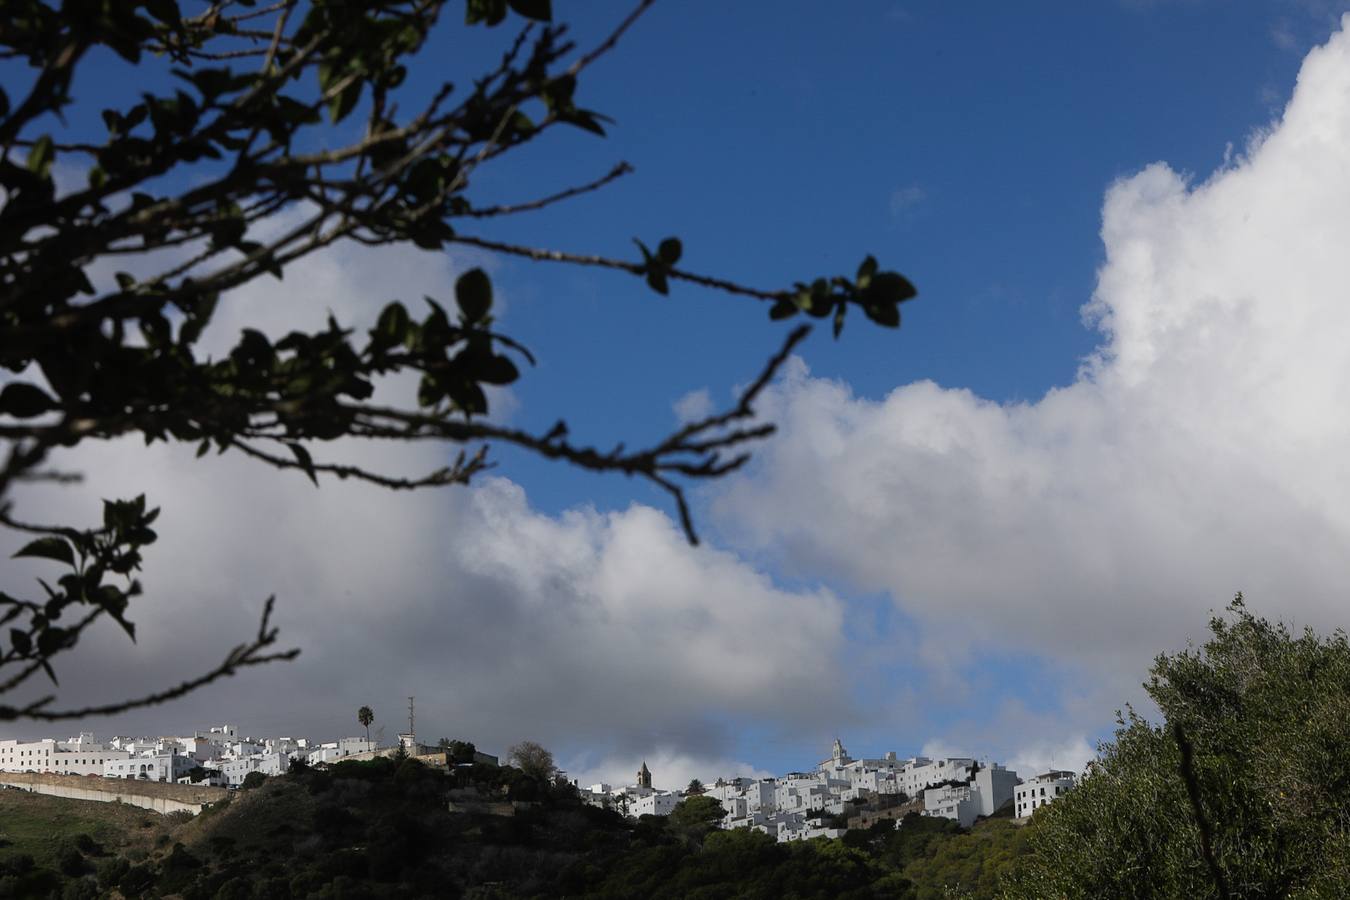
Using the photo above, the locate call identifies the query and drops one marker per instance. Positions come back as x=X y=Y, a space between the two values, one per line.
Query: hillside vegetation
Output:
x=385 y=829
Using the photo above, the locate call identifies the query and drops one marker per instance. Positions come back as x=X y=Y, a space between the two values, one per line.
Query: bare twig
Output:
x=581 y=259
x=608 y=43
x=618 y=171
x=241 y=657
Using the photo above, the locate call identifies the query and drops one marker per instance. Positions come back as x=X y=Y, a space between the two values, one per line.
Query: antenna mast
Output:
x=412 y=720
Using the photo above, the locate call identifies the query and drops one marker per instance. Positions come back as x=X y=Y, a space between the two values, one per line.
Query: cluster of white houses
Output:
x=218 y=756
x=797 y=806
x=804 y=805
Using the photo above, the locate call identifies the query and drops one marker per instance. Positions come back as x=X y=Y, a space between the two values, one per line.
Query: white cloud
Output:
x=671 y=770
x=906 y=198
x=1070 y=754
x=503 y=622
x=693 y=406
x=1200 y=451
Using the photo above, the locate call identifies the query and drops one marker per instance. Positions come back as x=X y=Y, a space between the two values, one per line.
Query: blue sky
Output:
x=972 y=535
x=967 y=146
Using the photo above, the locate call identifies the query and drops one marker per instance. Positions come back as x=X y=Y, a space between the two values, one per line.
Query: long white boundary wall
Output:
x=158 y=804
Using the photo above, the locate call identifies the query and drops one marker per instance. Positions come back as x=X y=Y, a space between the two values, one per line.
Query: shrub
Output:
x=70 y=862
x=110 y=872
x=136 y=880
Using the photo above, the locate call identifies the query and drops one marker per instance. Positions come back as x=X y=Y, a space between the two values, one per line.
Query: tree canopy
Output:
x=534 y=760
x=1241 y=792
x=233 y=157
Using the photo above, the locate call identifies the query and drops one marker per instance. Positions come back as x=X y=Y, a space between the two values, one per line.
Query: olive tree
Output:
x=534 y=760
x=233 y=158
x=1240 y=792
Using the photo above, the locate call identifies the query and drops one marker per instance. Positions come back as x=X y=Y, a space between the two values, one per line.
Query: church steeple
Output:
x=840 y=754
x=644 y=776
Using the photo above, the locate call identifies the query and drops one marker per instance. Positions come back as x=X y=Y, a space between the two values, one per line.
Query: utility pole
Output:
x=412 y=726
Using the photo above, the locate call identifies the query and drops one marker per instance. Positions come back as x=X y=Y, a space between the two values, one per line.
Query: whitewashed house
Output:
x=167 y=767
x=1040 y=791
x=80 y=755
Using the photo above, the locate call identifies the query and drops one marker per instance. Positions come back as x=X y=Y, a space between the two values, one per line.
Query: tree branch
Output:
x=241 y=657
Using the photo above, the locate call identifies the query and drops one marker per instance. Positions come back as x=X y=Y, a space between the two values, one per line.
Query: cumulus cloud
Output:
x=1201 y=449
x=671 y=771
x=504 y=623
x=693 y=406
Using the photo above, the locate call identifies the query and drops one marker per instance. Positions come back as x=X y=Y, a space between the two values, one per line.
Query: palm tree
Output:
x=365 y=717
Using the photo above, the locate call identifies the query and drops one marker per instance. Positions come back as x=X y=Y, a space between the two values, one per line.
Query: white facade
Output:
x=989 y=789
x=1040 y=791
x=658 y=803
x=332 y=751
x=168 y=767
x=959 y=802
x=236 y=770
x=924 y=773
x=76 y=756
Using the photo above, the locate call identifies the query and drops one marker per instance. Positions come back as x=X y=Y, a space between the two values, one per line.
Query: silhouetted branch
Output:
x=1201 y=820
x=241 y=657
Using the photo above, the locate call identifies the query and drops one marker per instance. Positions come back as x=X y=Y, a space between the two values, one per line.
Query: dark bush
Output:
x=82 y=889
x=70 y=862
x=136 y=880
x=110 y=871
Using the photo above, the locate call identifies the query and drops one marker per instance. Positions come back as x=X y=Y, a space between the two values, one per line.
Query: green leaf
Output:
x=54 y=548
x=670 y=250
x=497 y=370
x=888 y=287
x=305 y=460
x=342 y=105
x=23 y=401
x=41 y=156
x=490 y=12
x=473 y=293
x=656 y=280
x=586 y=120
x=866 y=271
x=783 y=309
x=888 y=315
x=53 y=639
x=540 y=10
x=392 y=326
x=165 y=11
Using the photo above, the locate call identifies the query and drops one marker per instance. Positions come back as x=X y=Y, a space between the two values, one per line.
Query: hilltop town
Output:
x=839 y=793
x=842 y=792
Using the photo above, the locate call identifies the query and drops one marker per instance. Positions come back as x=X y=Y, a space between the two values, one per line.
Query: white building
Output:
x=332 y=751
x=988 y=790
x=236 y=770
x=168 y=767
x=658 y=803
x=75 y=756
x=959 y=802
x=922 y=773
x=1037 y=792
